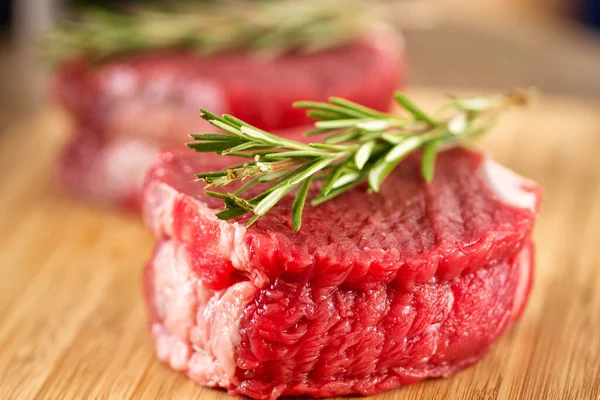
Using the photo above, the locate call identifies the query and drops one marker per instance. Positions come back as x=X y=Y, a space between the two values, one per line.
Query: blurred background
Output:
x=552 y=44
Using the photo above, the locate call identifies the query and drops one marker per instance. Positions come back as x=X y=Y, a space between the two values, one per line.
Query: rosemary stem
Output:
x=360 y=145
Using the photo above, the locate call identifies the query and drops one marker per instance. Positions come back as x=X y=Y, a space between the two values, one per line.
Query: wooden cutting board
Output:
x=73 y=325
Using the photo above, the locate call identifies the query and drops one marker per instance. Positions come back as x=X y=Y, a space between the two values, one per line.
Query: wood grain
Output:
x=73 y=325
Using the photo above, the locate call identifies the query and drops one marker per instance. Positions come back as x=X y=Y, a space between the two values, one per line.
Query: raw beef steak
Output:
x=112 y=170
x=157 y=95
x=374 y=292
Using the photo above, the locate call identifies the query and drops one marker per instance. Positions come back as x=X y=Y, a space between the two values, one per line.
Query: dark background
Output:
x=591 y=12
x=5 y=15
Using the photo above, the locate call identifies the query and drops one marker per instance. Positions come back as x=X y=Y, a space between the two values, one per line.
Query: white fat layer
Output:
x=174 y=290
x=231 y=243
x=123 y=82
x=199 y=327
x=123 y=167
x=158 y=209
x=217 y=325
x=507 y=185
x=170 y=349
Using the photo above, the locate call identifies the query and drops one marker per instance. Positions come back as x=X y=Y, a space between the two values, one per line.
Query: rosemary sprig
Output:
x=266 y=26
x=361 y=145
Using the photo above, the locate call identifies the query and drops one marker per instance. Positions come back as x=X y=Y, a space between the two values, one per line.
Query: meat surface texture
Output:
x=376 y=291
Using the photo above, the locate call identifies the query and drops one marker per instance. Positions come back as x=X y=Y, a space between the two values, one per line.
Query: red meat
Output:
x=375 y=291
x=157 y=95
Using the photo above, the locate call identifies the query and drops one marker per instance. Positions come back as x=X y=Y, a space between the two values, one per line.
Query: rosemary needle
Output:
x=361 y=145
